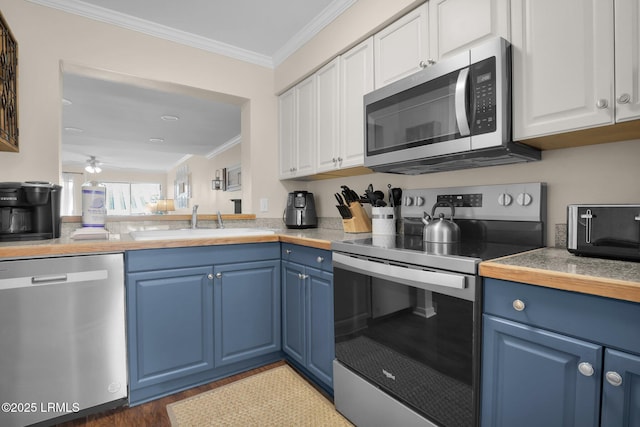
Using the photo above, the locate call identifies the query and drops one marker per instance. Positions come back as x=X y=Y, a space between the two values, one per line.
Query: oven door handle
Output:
x=419 y=278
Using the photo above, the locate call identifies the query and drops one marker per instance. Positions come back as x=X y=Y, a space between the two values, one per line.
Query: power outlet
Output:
x=264 y=205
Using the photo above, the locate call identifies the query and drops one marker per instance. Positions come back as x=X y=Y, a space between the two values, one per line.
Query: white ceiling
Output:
x=117 y=119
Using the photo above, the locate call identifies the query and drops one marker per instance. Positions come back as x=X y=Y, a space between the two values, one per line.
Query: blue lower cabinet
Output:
x=247 y=310
x=531 y=377
x=170 y=325
x=621 y=389
x=200 y=313
x=307 y=311
x=558 y=358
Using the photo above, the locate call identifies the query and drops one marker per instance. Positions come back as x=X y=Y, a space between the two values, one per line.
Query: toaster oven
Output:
x=607 y=231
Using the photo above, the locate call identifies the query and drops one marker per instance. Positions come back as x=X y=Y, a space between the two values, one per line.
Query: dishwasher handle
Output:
x=52 y=279
x=37 y=280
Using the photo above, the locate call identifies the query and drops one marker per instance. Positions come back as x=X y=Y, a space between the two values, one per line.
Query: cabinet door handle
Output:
x=218 y=275
x=288 y=251
x=601 y=104
x=518 y=305
x=210 y=276
x=624 y=98
x=303 y=276
x=586 y=369
x=614 y=378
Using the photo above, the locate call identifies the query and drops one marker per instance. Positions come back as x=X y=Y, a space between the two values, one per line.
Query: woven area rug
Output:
x=277 y=397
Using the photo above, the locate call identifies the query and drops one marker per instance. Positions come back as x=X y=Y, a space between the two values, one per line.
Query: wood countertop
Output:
x=317 y=238
x=559 y=269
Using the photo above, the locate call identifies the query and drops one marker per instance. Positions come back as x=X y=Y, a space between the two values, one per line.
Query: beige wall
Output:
x=203 y=171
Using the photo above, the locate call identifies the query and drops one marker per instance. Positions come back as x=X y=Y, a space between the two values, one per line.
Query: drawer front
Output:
x=312 y=257
x=606 y=321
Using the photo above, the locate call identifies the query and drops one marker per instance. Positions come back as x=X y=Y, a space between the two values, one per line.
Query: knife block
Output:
x=360 y=221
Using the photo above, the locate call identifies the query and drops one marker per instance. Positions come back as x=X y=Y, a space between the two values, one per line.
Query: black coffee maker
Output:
x=29 y=210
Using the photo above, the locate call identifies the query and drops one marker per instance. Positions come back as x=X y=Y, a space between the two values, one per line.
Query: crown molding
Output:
x=327 y=16
x=108 y=16
x=224 y=147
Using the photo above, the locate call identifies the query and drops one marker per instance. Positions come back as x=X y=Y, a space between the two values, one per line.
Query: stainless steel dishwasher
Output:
x=62 y=338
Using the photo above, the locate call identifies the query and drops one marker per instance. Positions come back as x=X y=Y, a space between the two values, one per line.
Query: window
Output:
x=124 y=198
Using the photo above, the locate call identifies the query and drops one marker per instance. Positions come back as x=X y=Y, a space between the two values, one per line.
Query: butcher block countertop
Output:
x=559 y=269
x=317 y=238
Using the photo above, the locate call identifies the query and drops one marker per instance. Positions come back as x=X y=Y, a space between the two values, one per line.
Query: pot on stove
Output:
x=441 y=230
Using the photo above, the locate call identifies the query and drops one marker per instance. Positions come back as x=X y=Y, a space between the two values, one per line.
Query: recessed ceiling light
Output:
x=73 y=130
x=156 y=140
x=169 y=118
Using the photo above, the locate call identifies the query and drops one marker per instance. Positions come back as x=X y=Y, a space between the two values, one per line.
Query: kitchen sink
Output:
x=198 y=233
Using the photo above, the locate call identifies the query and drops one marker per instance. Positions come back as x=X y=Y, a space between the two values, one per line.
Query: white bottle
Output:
x=94 y=208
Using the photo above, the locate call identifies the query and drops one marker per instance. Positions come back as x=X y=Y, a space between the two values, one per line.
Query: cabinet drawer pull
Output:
x=320 y=259
x=585 y=369
x=288 y=251
x=518 y=305
x=614 y=378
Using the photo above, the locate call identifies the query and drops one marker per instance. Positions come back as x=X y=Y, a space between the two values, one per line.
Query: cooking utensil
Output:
x=339 y=199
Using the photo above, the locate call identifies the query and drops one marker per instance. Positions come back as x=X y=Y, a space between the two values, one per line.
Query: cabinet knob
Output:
x=334 y=160
x=303 y=276
x=624 y=98
x=518 y=305
x=586 y=369
x=602 y=104
x=210 y=276
x=320 y=259
x=614 y=378
x=288 y=251
x=427 y=63
x=219 y=275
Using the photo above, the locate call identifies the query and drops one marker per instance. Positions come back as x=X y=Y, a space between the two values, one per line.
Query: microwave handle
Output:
x=461 y=102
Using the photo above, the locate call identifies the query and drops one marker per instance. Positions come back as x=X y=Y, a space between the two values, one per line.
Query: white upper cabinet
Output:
x=564 y=78
x=306 y=113
x=296 y=112
x=627 y=62
x=456 y=25
x=401 y=48
x=328 y=116
x=357 y=79
x=287 y=133
x=341 y=85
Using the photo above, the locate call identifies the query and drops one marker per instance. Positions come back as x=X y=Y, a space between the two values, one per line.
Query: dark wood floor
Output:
x=154 y=414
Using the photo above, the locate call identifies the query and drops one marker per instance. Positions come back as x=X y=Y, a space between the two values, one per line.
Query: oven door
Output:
x=410 y=332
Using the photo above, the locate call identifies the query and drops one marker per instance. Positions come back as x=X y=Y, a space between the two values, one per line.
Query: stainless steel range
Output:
x=408 y=312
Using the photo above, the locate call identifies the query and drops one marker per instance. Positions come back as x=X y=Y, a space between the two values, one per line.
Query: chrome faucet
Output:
x=194 y=217
x=220 y=224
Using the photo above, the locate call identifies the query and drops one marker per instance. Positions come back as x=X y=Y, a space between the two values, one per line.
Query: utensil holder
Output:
x=360 y=222
x=383 y=220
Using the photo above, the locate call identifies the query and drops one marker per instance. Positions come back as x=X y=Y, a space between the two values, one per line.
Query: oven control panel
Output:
x=462 y=200
x=509 y=202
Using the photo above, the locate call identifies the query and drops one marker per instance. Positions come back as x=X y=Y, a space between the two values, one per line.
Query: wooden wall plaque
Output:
x=9 y=89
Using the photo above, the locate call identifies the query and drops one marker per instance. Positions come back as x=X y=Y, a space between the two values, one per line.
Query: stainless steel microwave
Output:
x=454 y=114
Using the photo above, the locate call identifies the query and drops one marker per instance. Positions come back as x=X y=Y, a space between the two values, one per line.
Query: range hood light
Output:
x=156 y=140
x=170 y=118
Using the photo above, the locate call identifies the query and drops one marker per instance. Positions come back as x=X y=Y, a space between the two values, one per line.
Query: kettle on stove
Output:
x=440 y=230
x=300 y=211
